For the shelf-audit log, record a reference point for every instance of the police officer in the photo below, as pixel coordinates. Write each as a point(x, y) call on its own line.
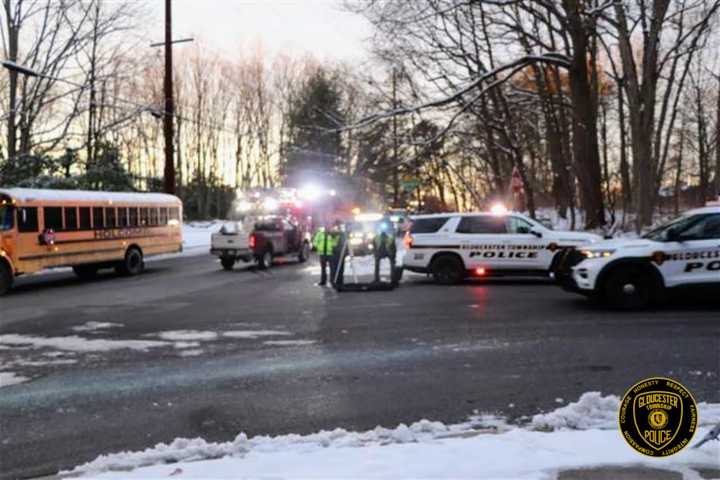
point(384, 247)
point(324, 242)
point(337, 261)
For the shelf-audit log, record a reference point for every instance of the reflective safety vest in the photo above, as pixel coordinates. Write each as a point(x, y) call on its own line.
point(324, 243)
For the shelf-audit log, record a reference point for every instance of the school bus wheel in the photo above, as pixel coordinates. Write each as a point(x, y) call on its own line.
point(133, 264)
point(6, 277)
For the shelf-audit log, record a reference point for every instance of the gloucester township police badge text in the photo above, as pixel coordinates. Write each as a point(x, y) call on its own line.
point(658, 417)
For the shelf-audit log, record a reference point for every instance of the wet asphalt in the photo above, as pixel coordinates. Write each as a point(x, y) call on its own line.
point(353, 360)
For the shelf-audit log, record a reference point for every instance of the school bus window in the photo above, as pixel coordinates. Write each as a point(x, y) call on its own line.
point(133, 217)
point(71, 218)
point(163, 216)
point(98, 217)
point(154, 217)
point(6, 217)
point(122, 217)
point(53, 218)
point(27, 219)
point(84, 218)
point(144, 214)
point(110, 217)
point(175, 213)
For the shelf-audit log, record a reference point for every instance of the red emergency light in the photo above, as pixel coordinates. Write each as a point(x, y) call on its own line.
point(480, 272)
point(251, 241)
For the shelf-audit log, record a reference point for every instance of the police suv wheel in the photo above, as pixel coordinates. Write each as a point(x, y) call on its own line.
point(227, 263)
point(629, 289)
point(133, 264)
point(447, 270)
point(6, 278)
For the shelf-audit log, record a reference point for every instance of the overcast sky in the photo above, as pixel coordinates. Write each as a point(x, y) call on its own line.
point(320, 27)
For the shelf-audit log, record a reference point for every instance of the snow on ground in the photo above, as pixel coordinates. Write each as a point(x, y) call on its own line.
point(289, 343)
point(484, 447)
point(196, 236)
point(94, 326)
point(186, 335)
point(253, 334)
point(10, 378)
point(75, 343)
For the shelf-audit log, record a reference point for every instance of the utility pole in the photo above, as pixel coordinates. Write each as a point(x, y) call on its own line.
point(396, 166)
point(169, 113)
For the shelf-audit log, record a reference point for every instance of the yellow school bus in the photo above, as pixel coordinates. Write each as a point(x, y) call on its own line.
point(87, 231)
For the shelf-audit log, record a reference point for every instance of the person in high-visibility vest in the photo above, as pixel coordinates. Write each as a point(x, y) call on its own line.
point(324, 242)
point(384, 247)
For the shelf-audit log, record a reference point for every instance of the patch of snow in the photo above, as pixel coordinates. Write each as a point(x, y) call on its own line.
point(10, 378)
point(252, 334)
point(43, 363)
point(190, 353)
point(183, 345)
point(289, 343)
point(592, 410)
point(93, 326)
point(187, 335)
point(484, 447)
point(75, 343)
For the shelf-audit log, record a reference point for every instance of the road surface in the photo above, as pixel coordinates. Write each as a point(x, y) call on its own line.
point(189, 350)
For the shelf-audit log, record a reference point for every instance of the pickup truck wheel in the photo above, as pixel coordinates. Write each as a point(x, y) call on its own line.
point(133, 264)
point(304, 252)
point(85, 272)
point(447, 270)
point(628, 289)
point(265, 260)
point(227, 263)
point(6, 278)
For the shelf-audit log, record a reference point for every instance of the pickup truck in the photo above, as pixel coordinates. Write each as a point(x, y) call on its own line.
point(270, 237)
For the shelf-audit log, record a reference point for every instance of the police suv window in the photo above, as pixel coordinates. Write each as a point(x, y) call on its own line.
point(482, 224)
point(706, 229)
point(427, 225)
point(518, 225)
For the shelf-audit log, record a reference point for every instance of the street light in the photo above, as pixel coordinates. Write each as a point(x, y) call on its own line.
point(14, 67)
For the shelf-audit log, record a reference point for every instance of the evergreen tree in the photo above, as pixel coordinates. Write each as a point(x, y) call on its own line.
point(313, 144)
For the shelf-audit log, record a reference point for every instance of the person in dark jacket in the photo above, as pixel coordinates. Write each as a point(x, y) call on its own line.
point(384, 247)
point(337, 262)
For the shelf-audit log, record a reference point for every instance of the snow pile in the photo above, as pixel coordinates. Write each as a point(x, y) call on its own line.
point(10, 378)
point(592, 410)
point(484, 447)
point(189, 450)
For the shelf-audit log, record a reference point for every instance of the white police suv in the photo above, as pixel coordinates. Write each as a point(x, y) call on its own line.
point(455, 246)
point(634, 273)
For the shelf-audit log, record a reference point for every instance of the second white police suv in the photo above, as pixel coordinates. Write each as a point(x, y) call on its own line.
point(633, 273)
point(455, 246)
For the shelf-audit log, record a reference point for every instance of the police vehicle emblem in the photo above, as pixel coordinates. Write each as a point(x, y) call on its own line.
point(658, 417)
